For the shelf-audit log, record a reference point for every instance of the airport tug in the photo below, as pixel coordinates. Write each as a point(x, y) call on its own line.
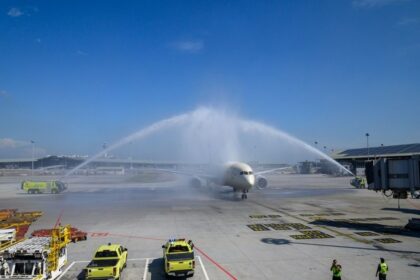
point(178, 256)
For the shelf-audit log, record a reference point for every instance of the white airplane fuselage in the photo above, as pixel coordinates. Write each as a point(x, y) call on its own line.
point(239, 176)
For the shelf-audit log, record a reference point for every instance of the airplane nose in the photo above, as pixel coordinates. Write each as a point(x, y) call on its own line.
point(250, 180)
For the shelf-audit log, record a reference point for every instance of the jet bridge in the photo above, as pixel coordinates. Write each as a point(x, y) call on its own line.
point(396, 177)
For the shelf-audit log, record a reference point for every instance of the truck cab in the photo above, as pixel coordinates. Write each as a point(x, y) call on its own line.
point(178, 256)
point(108, 262)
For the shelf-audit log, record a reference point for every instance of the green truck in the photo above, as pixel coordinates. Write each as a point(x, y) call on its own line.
point(34, 187)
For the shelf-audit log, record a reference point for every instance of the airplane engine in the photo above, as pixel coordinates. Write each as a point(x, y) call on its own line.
point(261, 182)
point(196, 182)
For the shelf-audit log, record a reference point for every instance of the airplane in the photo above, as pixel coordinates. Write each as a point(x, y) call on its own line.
point(237, 175)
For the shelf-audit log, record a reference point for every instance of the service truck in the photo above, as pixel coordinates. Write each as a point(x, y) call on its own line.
point(178, 255)
point(34, 258)
point(7, 237)
point(37, 258)
point(35, 187)
point(108, 262)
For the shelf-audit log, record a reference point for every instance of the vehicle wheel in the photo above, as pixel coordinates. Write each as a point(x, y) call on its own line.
point(30, 191)
point(53, 191)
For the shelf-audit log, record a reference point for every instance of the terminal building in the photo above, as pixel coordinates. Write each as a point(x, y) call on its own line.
point(356, 158)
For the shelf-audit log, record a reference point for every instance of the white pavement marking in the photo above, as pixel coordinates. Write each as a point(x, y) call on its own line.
point(74, 262)
point(146, 266)
point(65, 271)
point(203, 268)
point(138, 259)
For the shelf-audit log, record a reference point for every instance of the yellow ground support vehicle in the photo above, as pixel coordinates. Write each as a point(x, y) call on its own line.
point(358, 182)
point(43, 186)
point(108, 262)
point(178, 256)
point(36, 258)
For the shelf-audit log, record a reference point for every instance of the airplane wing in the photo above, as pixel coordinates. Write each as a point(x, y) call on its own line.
point(271, 170)
point(184, 173)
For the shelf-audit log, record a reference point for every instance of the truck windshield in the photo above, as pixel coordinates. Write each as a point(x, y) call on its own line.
point(178, 249)
point(106, 254)
point(180, 256)
point(103, 263)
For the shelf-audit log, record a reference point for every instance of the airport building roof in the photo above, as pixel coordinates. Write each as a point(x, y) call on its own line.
point(382, 151)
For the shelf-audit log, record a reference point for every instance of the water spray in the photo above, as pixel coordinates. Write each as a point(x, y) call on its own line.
point(214, 125)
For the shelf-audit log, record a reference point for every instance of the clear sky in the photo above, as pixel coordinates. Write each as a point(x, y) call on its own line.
point(76, 74)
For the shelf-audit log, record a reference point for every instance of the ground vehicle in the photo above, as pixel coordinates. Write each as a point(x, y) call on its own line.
point(43, 186)
point(37, 258)
point(178, 256)
point(7, 237)
point(75, 234)
point(358, 182)
point(108, 262)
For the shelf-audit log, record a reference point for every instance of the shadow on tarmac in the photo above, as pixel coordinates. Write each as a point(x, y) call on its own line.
point(275, 241)
point(81, 275)
point(404, 210)
point(157, 271)
point(378, 228)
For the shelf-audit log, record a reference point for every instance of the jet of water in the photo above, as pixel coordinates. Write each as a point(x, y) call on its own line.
point(135, 136)
point(206, 126)
point(249, 126)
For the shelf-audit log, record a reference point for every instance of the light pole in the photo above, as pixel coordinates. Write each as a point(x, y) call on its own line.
point(33, 156)
point(367, 144)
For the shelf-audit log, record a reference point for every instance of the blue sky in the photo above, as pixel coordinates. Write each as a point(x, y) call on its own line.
point(75, 74)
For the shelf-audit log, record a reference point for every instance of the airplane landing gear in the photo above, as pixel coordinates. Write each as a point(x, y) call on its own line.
point(244, 196)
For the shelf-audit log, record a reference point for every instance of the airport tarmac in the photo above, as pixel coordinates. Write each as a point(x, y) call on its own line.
point(291, 230)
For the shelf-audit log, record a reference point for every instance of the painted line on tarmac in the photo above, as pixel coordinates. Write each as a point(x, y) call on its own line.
point(65, 271)
point(203, 268)
point(95, 234)
point(136, 236)
point(216, 264)
point(321, 226)
point(57, 222)
point(74, 262)
point(105, 234)
point(146, 268)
